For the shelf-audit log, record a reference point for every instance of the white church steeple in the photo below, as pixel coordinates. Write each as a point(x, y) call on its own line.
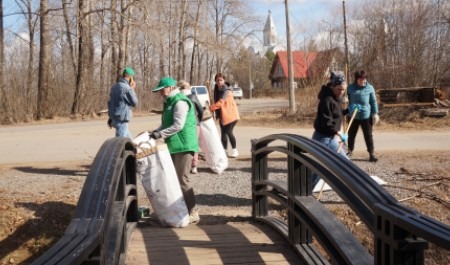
point(270, 34)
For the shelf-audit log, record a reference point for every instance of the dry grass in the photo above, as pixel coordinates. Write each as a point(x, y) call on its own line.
point(393, 121)
point(419, 181)
point(400, 118)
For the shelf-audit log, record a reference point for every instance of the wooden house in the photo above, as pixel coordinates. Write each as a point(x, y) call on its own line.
point(308, 67)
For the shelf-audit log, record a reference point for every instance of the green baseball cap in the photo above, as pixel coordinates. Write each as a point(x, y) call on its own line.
point(128, 71)
point(165, 82)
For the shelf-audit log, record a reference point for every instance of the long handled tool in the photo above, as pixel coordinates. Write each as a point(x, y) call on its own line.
point(348, 127)
point(340, 147)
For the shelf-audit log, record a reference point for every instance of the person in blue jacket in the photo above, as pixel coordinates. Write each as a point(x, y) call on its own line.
point(121, 98)
point(361, 97)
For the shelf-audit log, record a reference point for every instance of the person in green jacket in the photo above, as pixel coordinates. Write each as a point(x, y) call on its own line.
point(179, 131)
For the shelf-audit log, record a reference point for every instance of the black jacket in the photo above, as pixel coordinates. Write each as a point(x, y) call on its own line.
point(329, 112)
point(198, 107)
point(221, 93)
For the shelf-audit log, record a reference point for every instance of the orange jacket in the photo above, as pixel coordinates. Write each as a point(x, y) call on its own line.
point(228, 109)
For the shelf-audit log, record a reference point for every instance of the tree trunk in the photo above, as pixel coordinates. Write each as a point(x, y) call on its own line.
point(2, 35)
point(89, 85)
point(103, 51)
point(114, 42)
point(194, 46)
point(80, 80)
point(129, 13)
point(181, 37)
point(4, 108)
point(44, 62)
point(69, 36)
point(2, 79)
point(29, 84)
point(122, 36)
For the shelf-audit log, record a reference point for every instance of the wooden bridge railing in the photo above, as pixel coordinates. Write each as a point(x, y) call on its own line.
point(107, 209)
point(106, 212)
point(401, 235)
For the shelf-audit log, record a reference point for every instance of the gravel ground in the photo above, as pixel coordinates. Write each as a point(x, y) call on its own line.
point(37, 200)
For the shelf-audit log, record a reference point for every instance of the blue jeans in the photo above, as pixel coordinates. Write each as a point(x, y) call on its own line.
point(121, 128)
point(330, 142)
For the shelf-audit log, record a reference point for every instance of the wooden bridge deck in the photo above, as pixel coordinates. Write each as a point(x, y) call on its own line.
point(231, 243)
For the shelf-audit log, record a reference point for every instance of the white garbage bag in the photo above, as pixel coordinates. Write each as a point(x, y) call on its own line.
point(210, 143)
point(155, 168)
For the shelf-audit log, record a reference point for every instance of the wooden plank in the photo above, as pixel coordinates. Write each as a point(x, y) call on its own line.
point(412, 104)
point(231, 243)
point(402, 89)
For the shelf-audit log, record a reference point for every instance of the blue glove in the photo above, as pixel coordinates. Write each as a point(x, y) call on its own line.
point(344, 137)
point(354, 107)
point(155, 135)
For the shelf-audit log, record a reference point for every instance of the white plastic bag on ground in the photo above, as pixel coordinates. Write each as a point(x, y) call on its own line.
point(155, 168)
point(321, 185)
point(210, 143)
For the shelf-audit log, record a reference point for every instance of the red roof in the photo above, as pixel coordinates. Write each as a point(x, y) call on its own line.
point(302, 61)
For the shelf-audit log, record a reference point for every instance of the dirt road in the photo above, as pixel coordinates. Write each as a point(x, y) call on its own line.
point(43, 169)
point(81, 140)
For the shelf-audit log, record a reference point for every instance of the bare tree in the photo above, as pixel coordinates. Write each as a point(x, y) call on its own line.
point(194, 45)
point(2, 79)
point(230, 21)
point(26, 9)
point(103, 46)
point(397, 43)
point(400, 43)
point(81, 67)
point(44, 62)
point(114, 41)
point(181, 39)
point(69, 34)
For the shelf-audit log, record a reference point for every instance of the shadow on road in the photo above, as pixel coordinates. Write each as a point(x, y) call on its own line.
point(83, 171)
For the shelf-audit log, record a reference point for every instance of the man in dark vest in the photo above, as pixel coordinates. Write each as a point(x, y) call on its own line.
point(178, 129)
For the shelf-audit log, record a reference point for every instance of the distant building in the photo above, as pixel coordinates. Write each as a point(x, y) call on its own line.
point(270, 37)
point(308, 66)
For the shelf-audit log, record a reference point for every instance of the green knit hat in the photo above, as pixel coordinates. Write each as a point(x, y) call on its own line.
point(128, 71)
point(165, 82)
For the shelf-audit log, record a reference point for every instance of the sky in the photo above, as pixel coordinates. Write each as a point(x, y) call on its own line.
point(308, 18)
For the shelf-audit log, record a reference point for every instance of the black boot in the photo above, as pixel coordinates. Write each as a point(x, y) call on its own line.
point(373, 158)
point(349, 154)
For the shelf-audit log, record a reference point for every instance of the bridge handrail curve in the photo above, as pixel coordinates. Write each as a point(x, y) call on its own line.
point(106, 212)
point(371, 202)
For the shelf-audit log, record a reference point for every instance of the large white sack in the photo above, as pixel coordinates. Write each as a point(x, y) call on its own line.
point(155, 168)
point(210, 143)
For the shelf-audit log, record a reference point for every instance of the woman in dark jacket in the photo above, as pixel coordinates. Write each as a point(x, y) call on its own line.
point(328, 122)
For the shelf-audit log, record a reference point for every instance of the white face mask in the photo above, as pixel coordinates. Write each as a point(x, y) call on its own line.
point(185, 92)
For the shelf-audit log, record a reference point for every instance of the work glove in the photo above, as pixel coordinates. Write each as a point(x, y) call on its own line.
point(344, 137)
point(375, 119)
point(155, 135)
point(354, 107)
point(109, 123)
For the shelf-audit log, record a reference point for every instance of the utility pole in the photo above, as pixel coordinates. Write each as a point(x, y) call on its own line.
point(346, 45)
point(292, 106)
point(250, 83)
point(345, 102)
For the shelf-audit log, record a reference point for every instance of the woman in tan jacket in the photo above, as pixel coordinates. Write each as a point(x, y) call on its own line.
point(227, 112)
